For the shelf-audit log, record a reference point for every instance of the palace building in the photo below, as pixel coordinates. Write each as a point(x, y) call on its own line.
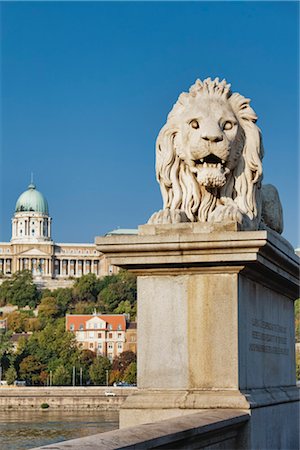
point(31, 247)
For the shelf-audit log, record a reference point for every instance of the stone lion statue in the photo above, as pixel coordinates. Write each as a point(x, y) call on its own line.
point(209, 161)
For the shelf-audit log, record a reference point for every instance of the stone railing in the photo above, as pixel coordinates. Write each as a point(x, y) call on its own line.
point(214, 428)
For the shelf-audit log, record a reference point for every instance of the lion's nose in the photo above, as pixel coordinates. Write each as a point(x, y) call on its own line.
point(212, 137)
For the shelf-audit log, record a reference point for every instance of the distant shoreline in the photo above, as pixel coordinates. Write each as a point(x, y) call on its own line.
point(64, 398)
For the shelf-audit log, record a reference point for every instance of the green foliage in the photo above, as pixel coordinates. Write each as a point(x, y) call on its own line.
point(48, 309)
point(11, 375)
point(44, 405)
point(130, 373)
point(62, 376)
point(298, 365)
point(5, 345)
point(119, 294)
point(50, 347)
point(20, 290)
point(98, 370)
point(54, 346)
point(86, 288)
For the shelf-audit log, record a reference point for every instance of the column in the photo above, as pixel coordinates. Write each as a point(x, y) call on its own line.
point(49, 227)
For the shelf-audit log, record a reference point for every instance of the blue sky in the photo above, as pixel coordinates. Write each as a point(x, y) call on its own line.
point(86, 87)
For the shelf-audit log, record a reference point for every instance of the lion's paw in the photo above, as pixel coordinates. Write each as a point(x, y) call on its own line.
point(168, 216)
point(226, 213)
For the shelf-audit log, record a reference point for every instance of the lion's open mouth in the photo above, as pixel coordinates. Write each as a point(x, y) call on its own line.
point(210, 161)
point(210, 171)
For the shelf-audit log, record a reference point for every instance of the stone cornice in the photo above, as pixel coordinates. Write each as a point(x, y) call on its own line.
point(188, 248)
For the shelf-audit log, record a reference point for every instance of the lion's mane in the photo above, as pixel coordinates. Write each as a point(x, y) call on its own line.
point(179, 186)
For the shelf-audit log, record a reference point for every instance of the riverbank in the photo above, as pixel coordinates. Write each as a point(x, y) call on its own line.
point(64, 398)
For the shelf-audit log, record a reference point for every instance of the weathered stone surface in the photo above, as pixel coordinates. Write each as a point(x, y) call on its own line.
point(208, 160)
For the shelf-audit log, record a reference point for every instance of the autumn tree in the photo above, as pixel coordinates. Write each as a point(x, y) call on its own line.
point(130, 373)
point(30, 369)
point(122, 361)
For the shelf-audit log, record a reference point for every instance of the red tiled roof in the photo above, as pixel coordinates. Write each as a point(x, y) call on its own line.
point(80, 319)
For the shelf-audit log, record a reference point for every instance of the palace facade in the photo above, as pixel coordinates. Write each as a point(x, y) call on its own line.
point(31, 246)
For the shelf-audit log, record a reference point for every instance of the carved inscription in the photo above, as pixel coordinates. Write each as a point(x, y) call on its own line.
point(268, 337)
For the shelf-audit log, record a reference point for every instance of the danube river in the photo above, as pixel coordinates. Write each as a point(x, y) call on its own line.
point(29, 429)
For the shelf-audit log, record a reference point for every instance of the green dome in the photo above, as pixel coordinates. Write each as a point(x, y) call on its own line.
point(32, 200)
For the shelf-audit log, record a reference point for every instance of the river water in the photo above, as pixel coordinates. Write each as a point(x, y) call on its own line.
point(29, 429)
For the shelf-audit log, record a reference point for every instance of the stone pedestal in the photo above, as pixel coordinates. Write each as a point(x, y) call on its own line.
point(215, 325)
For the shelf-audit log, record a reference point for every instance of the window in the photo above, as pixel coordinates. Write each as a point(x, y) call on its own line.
point(81, 327)
point(32, 232)
point(95, 326)
point(91, 345)
point(109, 335)
point(109, 327)
point(99, 335)
point(120, 346)
point(119, 335)
point(91, 334)
point(72, 327)
point(110, 346)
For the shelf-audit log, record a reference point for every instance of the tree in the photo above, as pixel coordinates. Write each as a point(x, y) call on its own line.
point(11, 375)
point(120, 290)
point(62, 376)
point(98, 370)
point(30, 369)
point(5, 345)
point(16, 322)
point(64, 299)
point(86, 288)
point(48, 308)
point(122, 361)
point(20, 290)
point(130, 373)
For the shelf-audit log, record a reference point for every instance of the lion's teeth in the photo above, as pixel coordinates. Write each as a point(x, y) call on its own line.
point(205, 164)
point(219, 166)
point(201, 160)
point(223, 161)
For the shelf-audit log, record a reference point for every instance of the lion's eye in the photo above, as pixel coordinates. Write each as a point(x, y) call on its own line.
point(228, 125)
point(194, 123)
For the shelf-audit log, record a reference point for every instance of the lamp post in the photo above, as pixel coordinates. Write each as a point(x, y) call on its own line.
point(80, 375)
point(106, 377)
point(74, 375)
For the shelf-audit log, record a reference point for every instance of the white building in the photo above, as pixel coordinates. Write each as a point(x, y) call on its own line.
point(31, 246)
